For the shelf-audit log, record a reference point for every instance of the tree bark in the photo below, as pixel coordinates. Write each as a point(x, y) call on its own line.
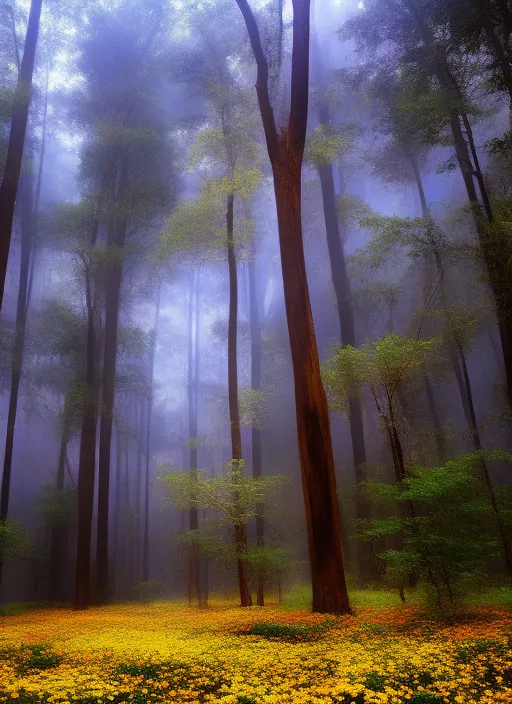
point(87, 458)
point(19, 339)
point(286, 150)
point(87, 462)
point(114, 277)
point(473, 427)
point(234, 409)
point(60, 533)
point(12, 169)
point(152, 351)
point(194, 561)
point(19, 343)
point(255, 327)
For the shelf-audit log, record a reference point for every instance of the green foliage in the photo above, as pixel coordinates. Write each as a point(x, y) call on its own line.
point(146, 670)
point(291, 632)
point(267, 562)
point(198, 227)
point(325, 145)
point(236, 496)
point(382, 365)
point(39, 656)
point(14, 541)
point(450, 537)
point(254, 406)
point(352, 209)
point(421, 238)
point(57, 507)
point(240, 182)
point(220, 147)
point(146, 590)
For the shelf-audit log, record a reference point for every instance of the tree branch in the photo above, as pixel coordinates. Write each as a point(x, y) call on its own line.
point(267, 113)
point(300, 74)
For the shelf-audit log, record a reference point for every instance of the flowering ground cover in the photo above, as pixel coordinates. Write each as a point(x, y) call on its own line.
point(167, 652)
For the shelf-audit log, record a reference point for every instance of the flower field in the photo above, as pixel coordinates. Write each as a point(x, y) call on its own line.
point(166, 652)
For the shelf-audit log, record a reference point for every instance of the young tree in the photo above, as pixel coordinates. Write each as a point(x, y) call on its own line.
point(382, 366)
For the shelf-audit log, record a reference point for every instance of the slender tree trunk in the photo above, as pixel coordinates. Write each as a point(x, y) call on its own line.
point(473, 427)
point(87, 458)
point(152, 352)
point(59, 537)
point(234, 409)
point(194, 562)
point(19, 339)
point(341, 285)
point(286, 149)
point(115, 556)
point(344, 305)
point(255, 326)
point(38, 190)
point(12, 169)
point(87, 462)
point(116, 240)
point(19, 343)
point(138, 492)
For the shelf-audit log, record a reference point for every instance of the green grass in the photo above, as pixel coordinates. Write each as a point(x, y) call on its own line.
point(300, 598)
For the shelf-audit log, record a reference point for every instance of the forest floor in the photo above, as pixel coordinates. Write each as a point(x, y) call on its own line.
point(170, 652)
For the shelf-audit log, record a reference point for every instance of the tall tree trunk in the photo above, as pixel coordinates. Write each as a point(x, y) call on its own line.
point(19, 342)
point(138, 493)
point(116, 552)
point(438, 429)
point(87, 458)
point(59, 537)
point(194, 562)
point(87, 462)
point(255, 327)
point(473, 427)
point(152, 352)
point(341, 285)
point(286, 150)
point(342, 292)
point(116, 241)
point(12, 169)
point(234, 409)
point(38, 188)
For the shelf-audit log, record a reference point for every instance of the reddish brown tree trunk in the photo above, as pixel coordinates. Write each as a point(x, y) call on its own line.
point(286, 150)
point(313, 423)
point(12, 169)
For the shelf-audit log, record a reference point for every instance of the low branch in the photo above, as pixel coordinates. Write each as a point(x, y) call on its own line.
point(267, 113)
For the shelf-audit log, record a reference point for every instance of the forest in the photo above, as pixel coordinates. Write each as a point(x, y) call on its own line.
point(256, 351)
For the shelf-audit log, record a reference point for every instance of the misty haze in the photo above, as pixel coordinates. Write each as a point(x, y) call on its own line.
point(256, 352)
